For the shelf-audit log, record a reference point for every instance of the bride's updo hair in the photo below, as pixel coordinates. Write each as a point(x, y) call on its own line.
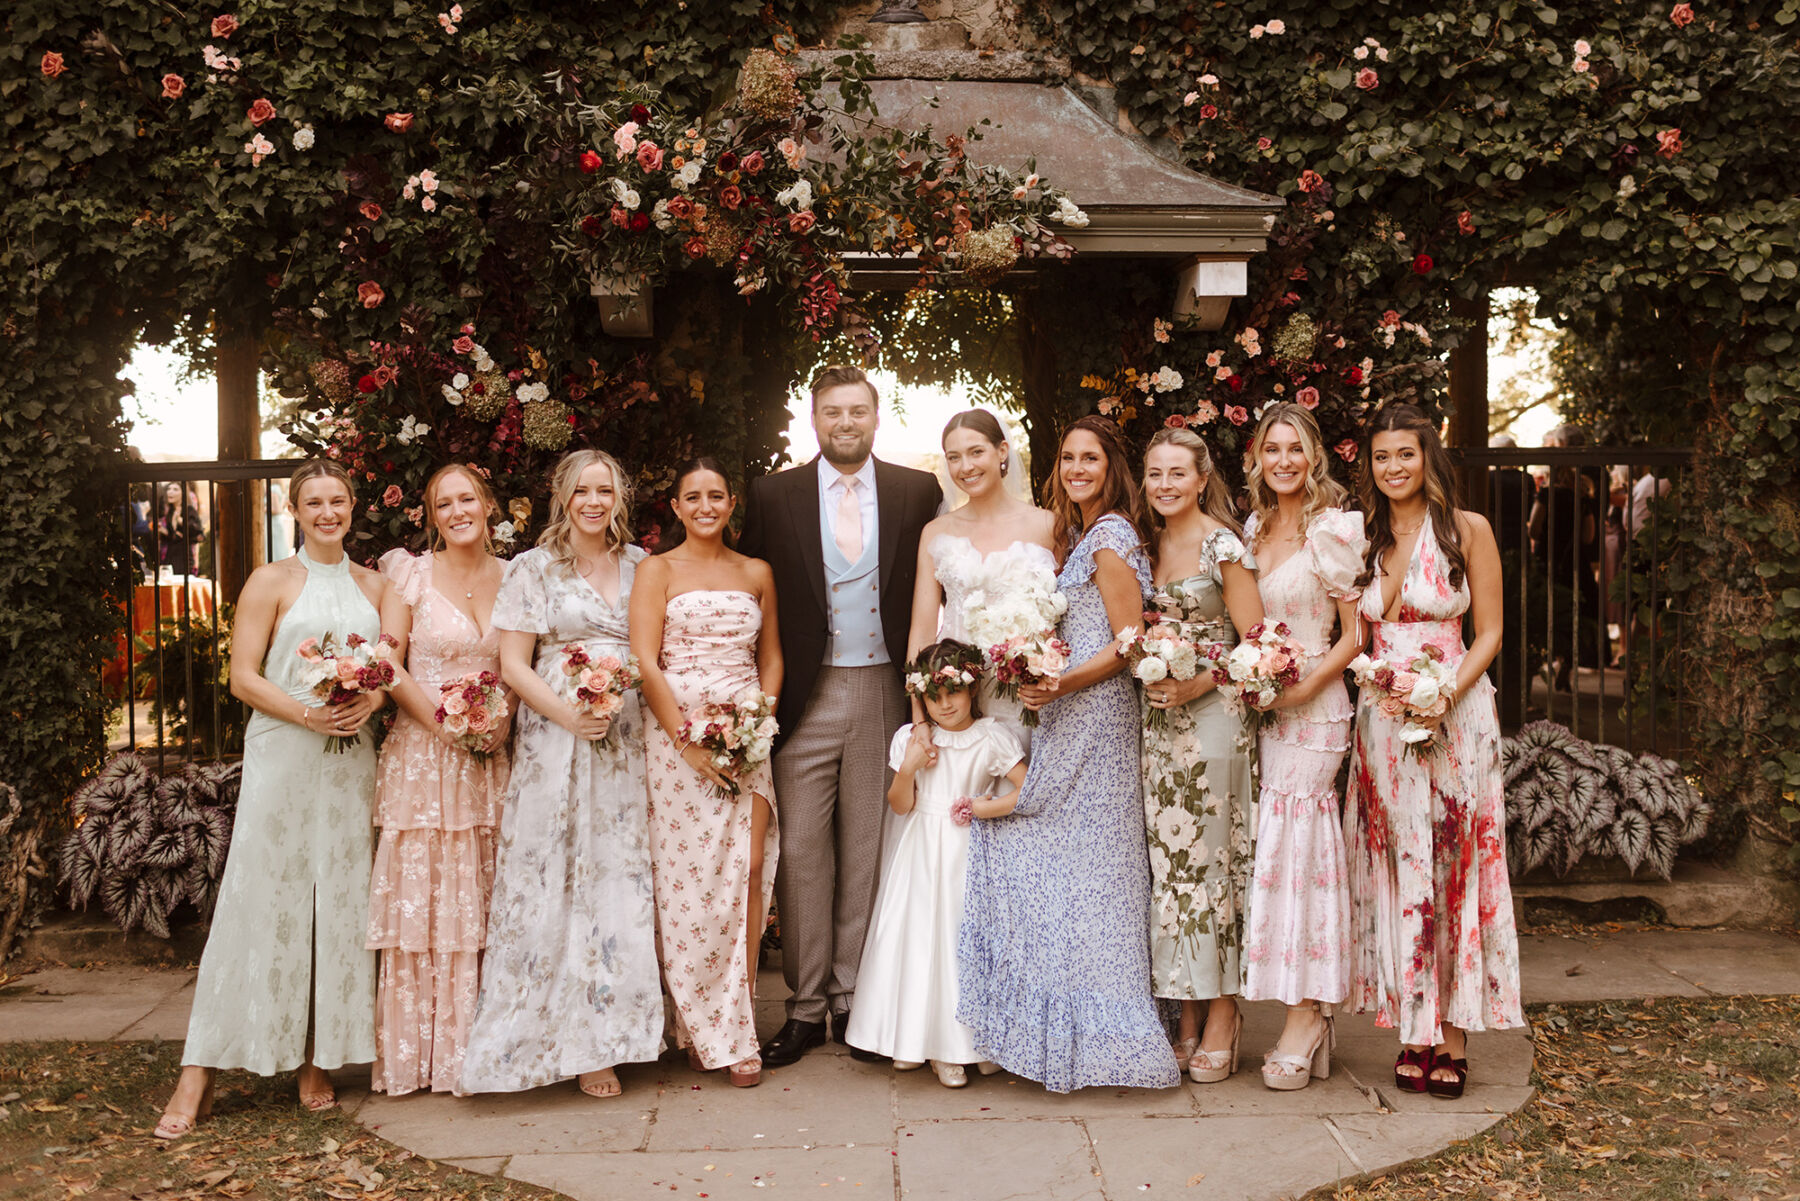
point(981, 422)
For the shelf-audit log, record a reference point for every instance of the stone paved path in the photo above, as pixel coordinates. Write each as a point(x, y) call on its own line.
point(832, 1123)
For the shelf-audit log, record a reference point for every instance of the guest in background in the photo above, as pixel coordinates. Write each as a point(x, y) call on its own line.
point(437, 798)
point(178, 530)
point(1510, 493)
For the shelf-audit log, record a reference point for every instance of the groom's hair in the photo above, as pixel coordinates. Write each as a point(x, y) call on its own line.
point(835, 377)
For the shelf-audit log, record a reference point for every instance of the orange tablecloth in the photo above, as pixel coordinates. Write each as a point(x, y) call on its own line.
point(191, 597)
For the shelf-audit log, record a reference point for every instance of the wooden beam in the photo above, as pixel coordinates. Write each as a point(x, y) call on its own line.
point(1469, 395)
point(237, 539)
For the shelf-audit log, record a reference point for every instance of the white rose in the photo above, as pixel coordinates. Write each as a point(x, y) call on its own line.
point(689, 175)
point(303, 138)
point(1425, 693)
point(459, 381)
point(505, 532)
point(452, 395)
point(1151, 669)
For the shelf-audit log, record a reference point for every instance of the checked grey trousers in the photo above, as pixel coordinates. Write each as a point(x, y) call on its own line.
point(831, 776)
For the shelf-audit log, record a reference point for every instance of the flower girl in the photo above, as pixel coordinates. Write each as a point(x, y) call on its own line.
point(945, 773)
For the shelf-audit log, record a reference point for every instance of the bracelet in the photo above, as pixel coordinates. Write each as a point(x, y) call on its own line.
point(306, 717)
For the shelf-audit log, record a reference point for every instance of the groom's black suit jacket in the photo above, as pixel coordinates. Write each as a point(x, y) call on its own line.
point(781, 525)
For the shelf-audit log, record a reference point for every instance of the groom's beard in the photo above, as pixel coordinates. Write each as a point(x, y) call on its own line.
point(845, 460)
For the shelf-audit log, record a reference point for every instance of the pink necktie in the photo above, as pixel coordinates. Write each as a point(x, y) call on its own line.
point(849, 520)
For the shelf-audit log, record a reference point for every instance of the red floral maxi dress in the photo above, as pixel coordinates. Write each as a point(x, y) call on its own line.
point(1431, 918)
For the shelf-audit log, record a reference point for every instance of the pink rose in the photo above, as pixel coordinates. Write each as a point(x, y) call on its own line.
point(309, 650)
point(455, 702)
point(1393, 706)
point(393, 496)
point(1367, 79)
point(1308, 397)
point(1465, 222)
point(52, 65)
point(346, 671)
point(463, 345)
point(1668, 143)
point(1264, 143)
point(398, 122)
point(681, 208)
point(173, 86)
point(1346, 450)
point(1310, 180)
point(962, 810)
point(1404, 682)
point(730, 196)
point(649, 156)
point(480, 721)
point(370, 209)
point(260, 110)
point(753, 162)
point(1682, 15)
point(370, 293)
point(801, 222)
point(224, 25)
point(695, 247)
point(456, 724)
point(625, 138)
point(609, 663)
point(1237, 414)
point(1208, 111)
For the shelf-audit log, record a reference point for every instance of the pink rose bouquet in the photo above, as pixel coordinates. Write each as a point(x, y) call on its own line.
point(472, 707)
point(1160, 652)
point(737, 734)
point(1260, 668)
point(1419, 689)
point(596, 685)
point(340, 670)
point(1028, 659)
point(962, 810)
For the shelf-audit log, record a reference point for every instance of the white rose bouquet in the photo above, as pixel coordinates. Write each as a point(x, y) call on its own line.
point(1422, 688)
point(1160, 652)
point(1018, 632)
point(738, 734)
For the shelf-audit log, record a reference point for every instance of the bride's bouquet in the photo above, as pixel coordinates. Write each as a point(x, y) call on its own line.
point(1260, 668)
point(338, 671)
point(1160, 652)
point(469, 709)
point(1422, 688)
point(1017, 630)
point(737, 734)
point(596, 686)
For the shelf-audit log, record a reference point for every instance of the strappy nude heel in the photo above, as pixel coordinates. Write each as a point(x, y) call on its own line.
point(179, 1125)
point(1289, 1073)
point(1211, 1067)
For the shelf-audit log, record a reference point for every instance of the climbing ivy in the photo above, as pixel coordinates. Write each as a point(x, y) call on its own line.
point(1635, 163)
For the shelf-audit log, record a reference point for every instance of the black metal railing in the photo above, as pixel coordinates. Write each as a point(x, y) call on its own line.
point(188, 536)
point(1587, 536)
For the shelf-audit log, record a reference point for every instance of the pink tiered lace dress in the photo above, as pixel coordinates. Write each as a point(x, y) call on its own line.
point(437, 808)
point(1297, 945)
point(1431, 918)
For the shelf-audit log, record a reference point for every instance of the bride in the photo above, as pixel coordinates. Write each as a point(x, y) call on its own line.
point(995, 543)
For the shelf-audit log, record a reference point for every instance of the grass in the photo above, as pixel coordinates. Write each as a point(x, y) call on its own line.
point(1660, 1100)
point(75, 1121)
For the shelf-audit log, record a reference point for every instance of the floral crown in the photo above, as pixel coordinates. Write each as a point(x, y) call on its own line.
point(956, 669)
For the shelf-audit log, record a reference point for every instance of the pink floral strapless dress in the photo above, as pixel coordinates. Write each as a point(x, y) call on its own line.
point(1431, 917)
point(437, 808)
point(700, 837)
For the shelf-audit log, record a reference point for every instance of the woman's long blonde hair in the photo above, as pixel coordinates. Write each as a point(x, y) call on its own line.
point(1322, 492)
point(1215, 497)
point(562, 489)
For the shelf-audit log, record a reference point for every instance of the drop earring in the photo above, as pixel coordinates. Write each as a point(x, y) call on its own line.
point(1004, 464)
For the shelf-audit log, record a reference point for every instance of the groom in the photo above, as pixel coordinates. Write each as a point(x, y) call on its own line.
point(841, 534)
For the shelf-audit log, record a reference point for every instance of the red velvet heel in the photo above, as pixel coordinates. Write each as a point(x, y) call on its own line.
point(1420, 1059)
point(1453, 1087)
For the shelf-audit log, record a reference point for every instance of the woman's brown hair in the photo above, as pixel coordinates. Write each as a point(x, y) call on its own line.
point(1119, 491)
point(315, 469)
point(1440, 491)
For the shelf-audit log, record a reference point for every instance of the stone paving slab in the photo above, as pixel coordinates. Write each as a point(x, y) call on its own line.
point(1247, 1158)
point(831, 1172)
point(1377, 1142)
point(93, 1004)
point(1658, 963)
point(1050, 1159)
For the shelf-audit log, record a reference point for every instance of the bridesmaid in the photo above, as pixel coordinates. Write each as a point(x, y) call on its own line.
point(1199, 771)
point(1431, 919)
point(993, 542)
point(436, 803)
point(285, 981)
point(568, 985)
point(1309, 553)
point(1052, 956)
point(703, 628)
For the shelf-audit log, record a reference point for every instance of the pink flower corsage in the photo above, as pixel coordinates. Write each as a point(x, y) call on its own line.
point(963, 811)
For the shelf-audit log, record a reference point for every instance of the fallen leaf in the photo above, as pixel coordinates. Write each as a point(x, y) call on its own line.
point(1196, 1178)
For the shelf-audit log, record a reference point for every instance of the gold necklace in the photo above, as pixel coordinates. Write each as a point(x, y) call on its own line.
point(1411, 532)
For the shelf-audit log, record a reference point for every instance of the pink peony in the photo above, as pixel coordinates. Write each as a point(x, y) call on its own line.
point(173, 86)
point(393, 496)
point(1682, 15)
point(370, 293)
point(1308, 397)
point(1367, 80)
point(1668, 143)
point(649, 156)
point(224, 25)
point(260, 110)
point(398, 122)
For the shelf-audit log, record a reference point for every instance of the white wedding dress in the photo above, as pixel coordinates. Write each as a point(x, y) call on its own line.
point(969, 578)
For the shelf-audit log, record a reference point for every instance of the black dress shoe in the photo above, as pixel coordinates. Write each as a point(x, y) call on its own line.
point(840, 1030)
point(792, 1041)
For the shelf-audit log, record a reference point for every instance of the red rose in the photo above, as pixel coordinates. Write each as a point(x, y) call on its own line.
point(173, 86)
point(1235, 382)
point(730, 197)
point(463, 345)
point(754, 162)
point(1208, 111)
point(398, 122)
point(1465, 222)
point(1353, 376)
point(1310, 180)
point(728, 161)
point(1308, 397)
point(1682, 15)
point(1175, 421)
point(224, 25)
point(370, 293)
point(590, 162)
point(370, 209)
point(1346, 450)
point(367, 384)
point(640, 113)
point(695, 247)
point(801, 222)
point(478, 388)
point(640, 222)
point(273, 279)
point(260, 111)
point(592, 225)
point(1422, 265)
